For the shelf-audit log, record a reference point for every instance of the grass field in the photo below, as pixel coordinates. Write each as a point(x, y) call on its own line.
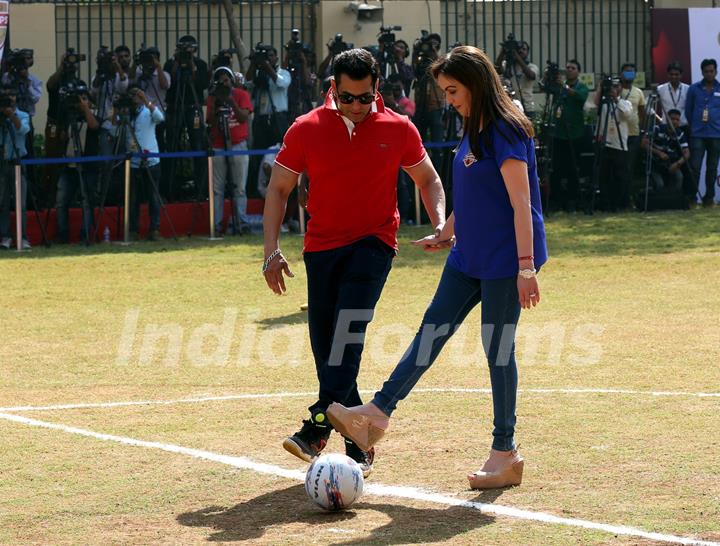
point(618, 417)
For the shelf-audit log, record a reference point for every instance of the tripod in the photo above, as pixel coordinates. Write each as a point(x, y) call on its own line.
point(180, 124)
point(9, 134)
point(86, 204)
point(223, 115)
point(607, 103)
point(10, 130)
point(651, 123)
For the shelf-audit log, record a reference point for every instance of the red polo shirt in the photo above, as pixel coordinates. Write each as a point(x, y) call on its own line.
point(353, 174)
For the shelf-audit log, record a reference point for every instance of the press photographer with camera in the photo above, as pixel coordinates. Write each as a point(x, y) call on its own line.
point(228, 110)
point(14, 126)
point(671, 153)
point(140, 116)
point(568, 122)
point(75, 126)
point(66, 74)
point(111, 78)
point(429, 98)
point(298, 60)
point(17, 75)
point(335, 46)
point(514, 65)
point(611, 137)
point(268, 84)
point(185, 97)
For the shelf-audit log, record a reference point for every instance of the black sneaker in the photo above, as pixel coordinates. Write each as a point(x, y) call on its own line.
point(311, 439)
point(363, 458)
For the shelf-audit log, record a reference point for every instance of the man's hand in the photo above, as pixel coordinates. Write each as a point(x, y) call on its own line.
point(675, 166)
point(663, 156)
point(273, 271)
point(8, 112)
point(84, 103)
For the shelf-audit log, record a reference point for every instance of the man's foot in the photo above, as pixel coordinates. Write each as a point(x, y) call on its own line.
point(5, 243)
point(364, 425)
point(26, 245)
point(363, 458)
point(310, 440)
point(245, 228)
point(153, 235)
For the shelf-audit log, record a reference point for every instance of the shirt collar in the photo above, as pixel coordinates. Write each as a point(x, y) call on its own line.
point(378, 105)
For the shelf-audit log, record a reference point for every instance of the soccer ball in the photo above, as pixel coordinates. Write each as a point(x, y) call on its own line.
point(334, 482)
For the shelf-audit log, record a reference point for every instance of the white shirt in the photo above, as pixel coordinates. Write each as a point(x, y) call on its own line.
point(623, 113)
point(278, 91)
point(525, 85)
point(673, 99)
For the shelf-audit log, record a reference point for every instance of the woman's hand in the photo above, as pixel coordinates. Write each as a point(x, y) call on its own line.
point(434, 242)
point(528, 292)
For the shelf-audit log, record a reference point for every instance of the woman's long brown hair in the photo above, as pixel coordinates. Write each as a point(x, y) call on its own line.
point(489, 102)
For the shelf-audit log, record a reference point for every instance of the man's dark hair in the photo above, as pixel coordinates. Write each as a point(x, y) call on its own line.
point(576, 63)
point(708, 62)
point(357, 64)
point(674, 112)
point(675, 65)
point(122, 48)
point(188, 39)
point(627, 65)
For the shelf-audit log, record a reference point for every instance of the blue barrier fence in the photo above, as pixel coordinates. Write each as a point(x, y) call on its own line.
point(177, 155)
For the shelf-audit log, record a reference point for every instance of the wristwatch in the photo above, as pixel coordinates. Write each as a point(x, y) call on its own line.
point(527, 273)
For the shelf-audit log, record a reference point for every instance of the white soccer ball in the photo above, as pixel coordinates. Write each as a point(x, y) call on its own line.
point(334, 482)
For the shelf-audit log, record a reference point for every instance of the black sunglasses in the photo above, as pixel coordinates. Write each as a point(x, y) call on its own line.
point(347, 98)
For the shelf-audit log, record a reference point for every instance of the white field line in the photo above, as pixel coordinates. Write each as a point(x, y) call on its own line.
point(372, 489)
point(260, 396)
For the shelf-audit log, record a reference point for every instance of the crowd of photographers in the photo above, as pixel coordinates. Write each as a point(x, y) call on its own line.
point(134, 102)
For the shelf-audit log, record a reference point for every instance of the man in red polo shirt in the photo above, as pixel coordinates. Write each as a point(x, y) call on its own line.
point(351, 149)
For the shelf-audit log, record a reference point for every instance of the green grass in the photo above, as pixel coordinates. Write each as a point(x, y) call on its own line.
point(629, 302)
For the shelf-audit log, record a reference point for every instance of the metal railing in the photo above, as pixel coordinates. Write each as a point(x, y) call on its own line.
point(601, 34)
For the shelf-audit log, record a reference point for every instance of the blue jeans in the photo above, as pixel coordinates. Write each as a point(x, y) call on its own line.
point(456, 295)
point(7, 190)
point(698, 147)
point(68, 187)
point(238, 175)
point(344, 284)
point(144, 189)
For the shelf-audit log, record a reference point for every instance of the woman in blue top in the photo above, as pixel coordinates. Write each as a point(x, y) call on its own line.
point(497, 237)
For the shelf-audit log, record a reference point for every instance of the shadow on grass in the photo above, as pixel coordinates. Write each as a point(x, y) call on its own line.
point(299, 317)
point(408, 525)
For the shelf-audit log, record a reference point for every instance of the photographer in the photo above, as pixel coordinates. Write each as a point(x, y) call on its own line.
point(513, 64)
point(429, 98)
point(612, 135)
point(228, 110)
point(154, 82)
point(111, 78)
point(298, 57)
point(14, 126)
point(637, 119)
point(66, 74)
point(17, 76)
point(335, 47)
point(670, 151)
point(185, 97)
point(141, 116)
point(569, 124)
point(76, 121)
point(268, 84)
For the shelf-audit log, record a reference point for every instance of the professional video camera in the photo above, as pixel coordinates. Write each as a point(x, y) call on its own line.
point(295, 46)
point(18, 59)
point(607, 81)
point(549, 83)
point(260, 53)
point(72, 58)
point(423, 46)
point(510, 46)
point(337, 45)
point(386, 36)
point(104, 61)
point(185, 51)
point(70, 94)
point(220, 91)
point(145, 57)
point(6, 96)
point(125, 101)
point(223, 58)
